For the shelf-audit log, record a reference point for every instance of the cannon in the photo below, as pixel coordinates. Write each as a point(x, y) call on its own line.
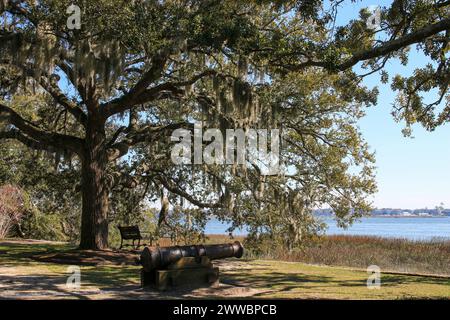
point(164, 267)
point(160, 258)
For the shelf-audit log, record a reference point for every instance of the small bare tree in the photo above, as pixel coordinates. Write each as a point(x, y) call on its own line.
point(12, 208)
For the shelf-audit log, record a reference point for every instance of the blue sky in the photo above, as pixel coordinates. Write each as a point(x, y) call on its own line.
point(411, 172)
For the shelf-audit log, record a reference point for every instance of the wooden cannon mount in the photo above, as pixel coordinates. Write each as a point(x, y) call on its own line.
point(167, 267)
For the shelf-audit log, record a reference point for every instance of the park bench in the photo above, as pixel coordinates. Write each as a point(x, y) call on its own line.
point(133, 233)
point(130, 233)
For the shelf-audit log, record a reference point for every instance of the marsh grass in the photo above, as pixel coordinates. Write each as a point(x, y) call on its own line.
point(398, 255)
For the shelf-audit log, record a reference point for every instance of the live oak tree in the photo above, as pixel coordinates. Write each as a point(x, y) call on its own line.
point(109, 94)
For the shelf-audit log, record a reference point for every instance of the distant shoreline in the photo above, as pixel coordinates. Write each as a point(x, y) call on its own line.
point(390, 216)
point(400, 216)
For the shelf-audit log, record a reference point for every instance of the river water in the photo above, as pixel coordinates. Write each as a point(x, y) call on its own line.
point(412, 228)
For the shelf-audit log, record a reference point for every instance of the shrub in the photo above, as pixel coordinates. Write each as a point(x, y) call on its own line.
point(42, 226)
point(12, 208)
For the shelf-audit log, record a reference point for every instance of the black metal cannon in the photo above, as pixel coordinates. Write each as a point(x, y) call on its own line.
point(173, 266)
point(159, 258)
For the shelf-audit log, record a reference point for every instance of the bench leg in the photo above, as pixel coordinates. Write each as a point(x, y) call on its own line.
point(121, 244)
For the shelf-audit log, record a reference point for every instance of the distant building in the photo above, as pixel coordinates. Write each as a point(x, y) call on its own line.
point(423, 214)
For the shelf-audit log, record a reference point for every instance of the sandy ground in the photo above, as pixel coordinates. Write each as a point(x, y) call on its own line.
point(23, 282)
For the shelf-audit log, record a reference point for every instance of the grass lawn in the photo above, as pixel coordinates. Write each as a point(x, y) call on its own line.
point(21, 277)
point(280, 279)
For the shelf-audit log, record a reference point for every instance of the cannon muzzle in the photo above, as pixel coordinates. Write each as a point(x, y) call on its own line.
point(157, 258)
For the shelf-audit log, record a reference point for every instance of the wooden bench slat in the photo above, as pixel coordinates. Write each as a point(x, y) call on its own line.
point(130, 233)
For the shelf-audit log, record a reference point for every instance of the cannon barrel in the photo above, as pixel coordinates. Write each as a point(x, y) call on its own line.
point(153, 258)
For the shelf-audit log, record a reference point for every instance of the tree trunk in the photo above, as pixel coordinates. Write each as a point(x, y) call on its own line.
point(94, 217)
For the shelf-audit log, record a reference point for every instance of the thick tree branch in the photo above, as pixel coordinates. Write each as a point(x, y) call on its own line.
point(394, 45)
point(164, 90)
point(174, 188)
point(53, 89)
point(14, 134)
point(378, 51)
point(128, 100)
point(147, 134)
point(55, 140)
point(62, 99)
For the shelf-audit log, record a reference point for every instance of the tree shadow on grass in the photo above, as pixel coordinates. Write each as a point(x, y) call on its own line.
point(274, 279)
point(112, 276)
point(18, 253)
point(32, 286)
point(96, 283)
point(392, 279)
point(63, 254)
